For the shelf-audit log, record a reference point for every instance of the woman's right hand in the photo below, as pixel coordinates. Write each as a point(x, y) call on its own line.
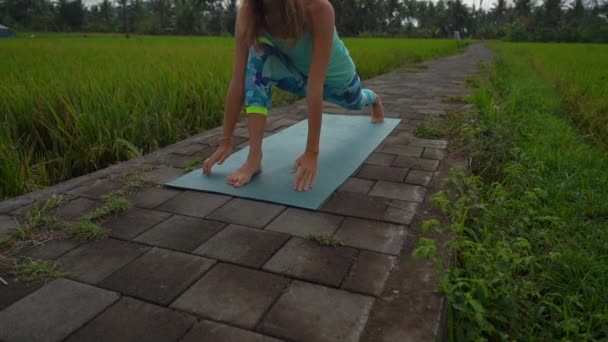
point(219, 156)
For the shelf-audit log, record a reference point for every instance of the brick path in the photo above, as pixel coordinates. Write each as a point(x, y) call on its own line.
point(193, 266)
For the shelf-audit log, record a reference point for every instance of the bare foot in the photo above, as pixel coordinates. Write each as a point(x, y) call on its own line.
point(378, 111)
point(243, 175)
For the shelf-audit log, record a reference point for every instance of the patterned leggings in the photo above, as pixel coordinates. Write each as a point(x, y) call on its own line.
point(266, 66)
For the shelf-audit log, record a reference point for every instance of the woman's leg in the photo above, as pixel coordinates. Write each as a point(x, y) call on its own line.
point(353, 97)
point(266, 67)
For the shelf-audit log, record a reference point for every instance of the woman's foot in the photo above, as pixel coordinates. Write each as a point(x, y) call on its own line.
point(377, 111)
point(243, 175)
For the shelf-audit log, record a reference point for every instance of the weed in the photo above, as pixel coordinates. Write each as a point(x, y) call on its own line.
point(429, 130)
point(114, 203)
point(457, 99)
point(87, 231)
point(193, 165)
point(134, 180)
point(325, 240)
point(30, 269)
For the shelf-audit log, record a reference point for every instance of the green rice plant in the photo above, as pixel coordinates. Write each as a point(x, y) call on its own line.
point(579, 73)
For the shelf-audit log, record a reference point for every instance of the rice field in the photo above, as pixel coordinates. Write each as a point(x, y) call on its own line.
point(71, 105)
point(579, 72)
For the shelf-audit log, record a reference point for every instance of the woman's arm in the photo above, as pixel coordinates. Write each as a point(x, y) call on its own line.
point(234, 103)
point(322, 29)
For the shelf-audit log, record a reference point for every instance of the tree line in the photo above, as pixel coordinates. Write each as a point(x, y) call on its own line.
point(520, 20)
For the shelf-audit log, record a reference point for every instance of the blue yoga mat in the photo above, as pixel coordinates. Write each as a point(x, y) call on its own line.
point(346, 141)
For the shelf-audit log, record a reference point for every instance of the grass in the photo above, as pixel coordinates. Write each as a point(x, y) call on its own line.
point(87, 231)
point(40, 226)
point(325, 240)
point(114, 203)
point(193, 164)
point(37, 270)
point(429, 130)
point(92, 102)
point(528, 218)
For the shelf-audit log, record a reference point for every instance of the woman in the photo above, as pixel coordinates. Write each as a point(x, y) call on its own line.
point(291, 44)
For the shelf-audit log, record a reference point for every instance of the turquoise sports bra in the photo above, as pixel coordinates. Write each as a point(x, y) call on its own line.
point(341, 68)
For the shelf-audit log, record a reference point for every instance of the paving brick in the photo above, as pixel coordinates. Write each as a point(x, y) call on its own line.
point(21, 212)
point(307, 312)
point(375, 172)
point(175, 160)
point(402, 138)
point(357, 185)
point(417, 163)
point(97, 188)
point(76, 208)
point(433, 153)
point(381, 159)
point(50, 250)
point(53, 312)
point(158, 276)
point(7, 223)
point(214, 139)
point(369, 273)
point(401, 150)
point(247, 213)
point(14, 204)
point(242, 245)
point(419, 177)
point(151, 198)
point(193, 148)
point(372, 235)
point(162, 174)
point(353, 204)
point(398, 191)
point(133, 320)
point(232, 294)
point(93, 262)
point(180, 233)
point(15, 289)
point(373, 208)
point(194, 203)
point(433, 143)
point(400, 212)
point(308, 260)
point(208, 137)
point(303, 223)
point(134, 222)
point(216, 332)
point(243, 145)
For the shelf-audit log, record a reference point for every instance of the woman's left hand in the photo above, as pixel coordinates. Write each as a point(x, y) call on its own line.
point(307, 164)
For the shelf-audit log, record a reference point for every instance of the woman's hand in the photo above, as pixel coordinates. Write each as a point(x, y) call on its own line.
point(219, 156)
point(307, 164)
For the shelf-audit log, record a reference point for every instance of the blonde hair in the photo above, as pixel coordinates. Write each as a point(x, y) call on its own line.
point(255, 15)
